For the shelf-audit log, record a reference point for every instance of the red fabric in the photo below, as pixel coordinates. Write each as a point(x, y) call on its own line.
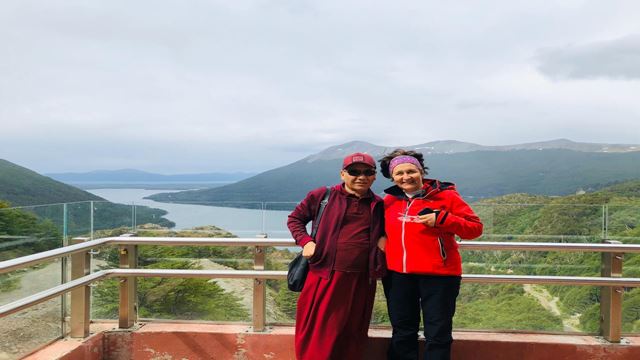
point(323, 260)
point(413, 247)
point(353, 239)
point(333, 315)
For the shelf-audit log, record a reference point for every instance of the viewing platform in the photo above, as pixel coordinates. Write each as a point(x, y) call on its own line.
point(168, 341)
point(133, 337)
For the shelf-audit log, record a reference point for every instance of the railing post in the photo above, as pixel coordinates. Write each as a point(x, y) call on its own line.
point(611, 297)
point(128, 310)
point(259, 290)
point(81, 297)
point(64, 262)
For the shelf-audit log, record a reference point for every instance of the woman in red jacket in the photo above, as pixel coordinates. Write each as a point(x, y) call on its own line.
point(422, 218)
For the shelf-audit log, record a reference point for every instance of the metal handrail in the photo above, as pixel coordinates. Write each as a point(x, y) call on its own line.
point(34, 259)
point(29, 260)
point(610, 280)
point(58, 290)
point(540, 246)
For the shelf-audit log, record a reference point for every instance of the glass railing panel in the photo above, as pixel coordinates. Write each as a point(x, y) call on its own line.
point(111, 219)
point(25, 331)
point(541, 222)
point(26, 231)
point(21, 283)
point(507, 307)
point(631, 296)
point(498, 219)
point(623, 223)
point(380, 315)
point(196, 299)
point(281, 303)
point(631, 311)
point(79, 219)
point(486, 215)
point(275, 219)
point(29, 230)
point(51, 216)
point(555, 307)
point(184, 299)
point(241, 218)
point(176, 298)
point(571, 220)
point(180, 299)
point(105, 300)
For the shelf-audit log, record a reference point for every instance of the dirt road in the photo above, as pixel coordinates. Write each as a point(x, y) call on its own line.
point(549, 302)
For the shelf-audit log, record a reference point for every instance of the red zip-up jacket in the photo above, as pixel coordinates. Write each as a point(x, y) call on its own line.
point(324, 257)
point(415, 248)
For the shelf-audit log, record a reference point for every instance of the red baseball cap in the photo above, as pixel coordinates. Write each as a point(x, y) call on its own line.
point(358, 158)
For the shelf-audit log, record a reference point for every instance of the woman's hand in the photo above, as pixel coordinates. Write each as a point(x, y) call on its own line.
point(382, 243)
point(428, 219)
point(309, 249)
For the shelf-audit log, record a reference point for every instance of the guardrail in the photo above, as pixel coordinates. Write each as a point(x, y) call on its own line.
point(611, 279)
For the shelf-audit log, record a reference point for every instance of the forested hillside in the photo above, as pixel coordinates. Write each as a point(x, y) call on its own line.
point(21, 186)
point(612, 213)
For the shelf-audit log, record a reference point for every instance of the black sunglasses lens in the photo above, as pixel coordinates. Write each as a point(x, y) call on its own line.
point(367, 172)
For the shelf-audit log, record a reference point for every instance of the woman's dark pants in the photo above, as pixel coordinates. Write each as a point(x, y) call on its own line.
point(436, 296)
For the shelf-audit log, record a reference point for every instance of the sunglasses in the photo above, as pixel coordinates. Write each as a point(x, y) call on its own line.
point(365, 172)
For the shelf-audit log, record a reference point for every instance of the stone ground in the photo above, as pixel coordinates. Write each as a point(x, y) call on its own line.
point(27, 330)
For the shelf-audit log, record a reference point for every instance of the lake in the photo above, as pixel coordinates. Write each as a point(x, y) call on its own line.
point(241, 222)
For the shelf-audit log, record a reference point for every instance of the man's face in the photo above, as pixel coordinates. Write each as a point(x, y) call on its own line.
point(358, 178)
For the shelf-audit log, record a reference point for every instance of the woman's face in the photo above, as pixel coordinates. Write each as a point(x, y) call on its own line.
point(408, 177)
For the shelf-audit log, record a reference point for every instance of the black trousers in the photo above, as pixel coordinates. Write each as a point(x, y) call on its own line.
point(407, 294)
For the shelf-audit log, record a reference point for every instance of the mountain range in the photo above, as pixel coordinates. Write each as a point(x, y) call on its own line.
point(133, 175)
point(557, 167)
point(453, 146)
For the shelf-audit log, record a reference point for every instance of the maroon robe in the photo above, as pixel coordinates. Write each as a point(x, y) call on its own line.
point(333, 315)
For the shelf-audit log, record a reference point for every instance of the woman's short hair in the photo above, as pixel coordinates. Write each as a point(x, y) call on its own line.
point(384, 162)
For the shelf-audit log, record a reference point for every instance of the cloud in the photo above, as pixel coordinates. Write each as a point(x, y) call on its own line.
point(614, 59)
point(210, 84)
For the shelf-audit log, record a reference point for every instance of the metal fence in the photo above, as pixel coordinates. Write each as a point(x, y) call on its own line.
point(611, 280)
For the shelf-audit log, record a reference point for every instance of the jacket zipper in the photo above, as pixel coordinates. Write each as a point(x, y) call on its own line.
point(404, 248)
point(443, 251)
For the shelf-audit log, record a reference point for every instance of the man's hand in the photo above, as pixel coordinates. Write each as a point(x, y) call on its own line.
point(309, 249)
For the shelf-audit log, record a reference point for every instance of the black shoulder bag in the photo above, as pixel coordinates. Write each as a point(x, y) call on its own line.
point(299, 267)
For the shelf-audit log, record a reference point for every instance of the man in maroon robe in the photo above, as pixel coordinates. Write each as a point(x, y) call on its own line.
point(334, 308)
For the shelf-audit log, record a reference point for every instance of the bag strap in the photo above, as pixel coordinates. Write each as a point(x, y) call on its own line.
point(323, 204)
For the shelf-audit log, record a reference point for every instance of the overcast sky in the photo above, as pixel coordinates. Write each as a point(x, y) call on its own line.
point(233, 85)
